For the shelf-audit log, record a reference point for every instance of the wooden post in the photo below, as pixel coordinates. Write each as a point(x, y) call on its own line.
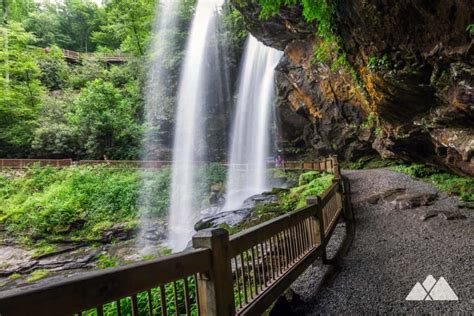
point(335, 166)
point(319, 216)
point(339, 196)
point(215, 288)
point(346, 192)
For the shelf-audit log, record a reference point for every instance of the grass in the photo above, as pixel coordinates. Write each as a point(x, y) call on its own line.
point(37, 275)
point(443, 181)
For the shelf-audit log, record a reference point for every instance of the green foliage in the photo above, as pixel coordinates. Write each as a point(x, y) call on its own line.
point(106, 121)
point(130, 27)
point(470, 29)
point(20, 88)
point(43, 248)
point(374, 63)
point(106, 261)
point(54, 70)
point(444, 181)
point(312, 183)
point(368, 162)
point(38, 275)
point(54, 135)
point(79, 203)
point(416, 170)
point(307, 177)
point(71, 23)
point(233, 33)
point(371, 121)
point(48, 204)
point(14, 276)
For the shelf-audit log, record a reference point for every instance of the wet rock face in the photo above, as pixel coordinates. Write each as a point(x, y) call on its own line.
point(415, 64)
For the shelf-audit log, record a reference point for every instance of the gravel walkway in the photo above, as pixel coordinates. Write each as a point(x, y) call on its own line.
point(393, 248)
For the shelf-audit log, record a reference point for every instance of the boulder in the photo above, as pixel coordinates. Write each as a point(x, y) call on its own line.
point(230, 218)
point(415, 199)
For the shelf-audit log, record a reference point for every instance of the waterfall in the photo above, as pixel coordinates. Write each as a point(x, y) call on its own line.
point(251, 127)
point(165, 31)
point(189, 144)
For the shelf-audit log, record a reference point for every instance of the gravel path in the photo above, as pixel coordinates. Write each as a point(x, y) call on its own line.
point(393, 248)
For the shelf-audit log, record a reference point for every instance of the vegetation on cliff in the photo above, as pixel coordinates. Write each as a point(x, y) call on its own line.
point(311, 183)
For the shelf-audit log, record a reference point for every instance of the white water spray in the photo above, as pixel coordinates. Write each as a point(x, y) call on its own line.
point(251, 129)
point(189, 139)
point(164, 31)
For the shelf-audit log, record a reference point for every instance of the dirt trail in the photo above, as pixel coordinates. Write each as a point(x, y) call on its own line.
point(393, 248)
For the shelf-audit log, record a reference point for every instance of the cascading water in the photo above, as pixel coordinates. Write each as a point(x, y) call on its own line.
point(164, 30)
point(189, 138)
point(251, 126)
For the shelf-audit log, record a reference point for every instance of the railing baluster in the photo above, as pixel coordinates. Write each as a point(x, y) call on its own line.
point(261, 271)
point(250, 273)
point(237, 280)
point(176, 302)
point(119, 309)
point(163, 300)
point(197, 295)
point(264, 268)
point(254, 270)
point(243, 278)
point(285, 249)
point(187, 304)
point(150, 303)
point(134, 305)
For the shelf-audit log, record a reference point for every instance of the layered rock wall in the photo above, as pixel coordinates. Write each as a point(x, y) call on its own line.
point(411, 91)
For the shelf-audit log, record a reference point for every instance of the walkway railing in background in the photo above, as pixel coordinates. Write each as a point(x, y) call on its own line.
point(321, 165)
point(240, 275)
point(25, 163)
point(105, 57)
point(136, 164)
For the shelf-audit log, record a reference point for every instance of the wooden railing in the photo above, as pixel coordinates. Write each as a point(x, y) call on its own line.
point(242, 274)
point(25, 163)
point(322, 165)
point(136, 164)
point(106, 57)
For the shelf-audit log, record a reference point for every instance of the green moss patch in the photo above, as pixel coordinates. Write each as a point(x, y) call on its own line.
point(311, 183)
point(442, 180)
point(37, 275)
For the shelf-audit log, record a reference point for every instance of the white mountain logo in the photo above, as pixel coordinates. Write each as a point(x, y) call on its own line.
point(432, 290)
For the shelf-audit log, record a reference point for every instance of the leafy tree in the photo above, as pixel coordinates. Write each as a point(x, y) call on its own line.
point(18, 10)
point(55, 136)
point(21, 87)
point(44, 24)
point(54, 70)
point(127, 22)
point(105, 121)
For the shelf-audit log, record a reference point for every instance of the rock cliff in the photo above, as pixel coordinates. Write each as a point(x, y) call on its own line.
point(408, 92)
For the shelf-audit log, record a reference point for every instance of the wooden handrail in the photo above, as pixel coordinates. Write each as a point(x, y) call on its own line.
point(98, 288)
point(258, 233)
point(240, 275)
